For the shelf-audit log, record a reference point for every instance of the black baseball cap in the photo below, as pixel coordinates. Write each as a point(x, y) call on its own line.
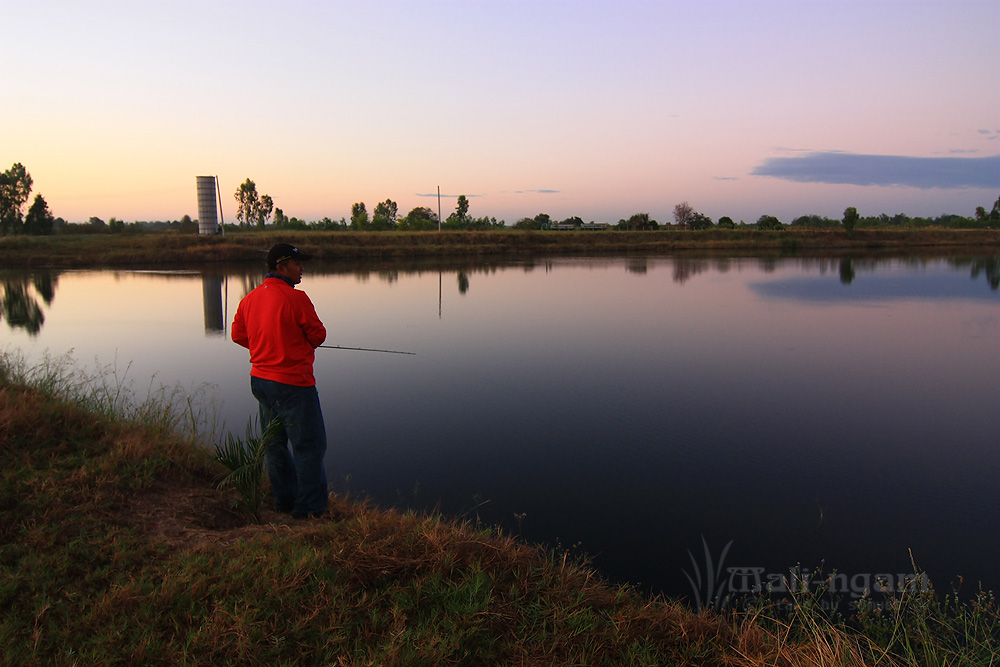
point(283, 252)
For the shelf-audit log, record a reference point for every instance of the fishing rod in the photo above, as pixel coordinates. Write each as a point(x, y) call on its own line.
point(363, 349)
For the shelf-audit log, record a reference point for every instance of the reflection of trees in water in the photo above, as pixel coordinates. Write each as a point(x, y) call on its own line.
point(45, 285)
point(990, 268)
point(389, 276)
point(637, 265)
point(723, 264)
point(20, 309)
point(847, 271)
point(19, 304)
point(685, 269)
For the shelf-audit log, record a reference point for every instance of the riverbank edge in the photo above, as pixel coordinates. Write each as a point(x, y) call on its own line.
point(117, 549)
point(173, 248)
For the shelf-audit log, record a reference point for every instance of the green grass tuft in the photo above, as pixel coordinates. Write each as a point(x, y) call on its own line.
point(245, 461)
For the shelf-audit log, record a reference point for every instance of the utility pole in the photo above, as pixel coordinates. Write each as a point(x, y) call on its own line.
point(439, 208)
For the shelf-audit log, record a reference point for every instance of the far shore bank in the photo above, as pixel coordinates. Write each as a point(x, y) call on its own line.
point(172, 248)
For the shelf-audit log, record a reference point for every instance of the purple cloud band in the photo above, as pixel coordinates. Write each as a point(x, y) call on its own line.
point(885, 170)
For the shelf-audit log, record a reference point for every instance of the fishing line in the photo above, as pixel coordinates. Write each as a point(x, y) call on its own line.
point(363, 349)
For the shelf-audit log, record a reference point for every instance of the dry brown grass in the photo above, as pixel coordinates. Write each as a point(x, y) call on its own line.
point(171, 248)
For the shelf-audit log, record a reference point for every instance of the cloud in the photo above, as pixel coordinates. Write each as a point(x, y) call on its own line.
point(885, 170)
point(539, 192)
point(727, 178)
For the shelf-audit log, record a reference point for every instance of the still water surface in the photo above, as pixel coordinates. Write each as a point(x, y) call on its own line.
point(656, 412)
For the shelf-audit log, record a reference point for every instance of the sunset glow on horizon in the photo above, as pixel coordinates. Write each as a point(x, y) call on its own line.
point(567, 107)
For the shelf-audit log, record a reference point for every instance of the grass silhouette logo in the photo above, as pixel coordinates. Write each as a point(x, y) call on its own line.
point(711, 588)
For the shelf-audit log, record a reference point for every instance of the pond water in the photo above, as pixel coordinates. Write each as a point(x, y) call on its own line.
point(686, 422)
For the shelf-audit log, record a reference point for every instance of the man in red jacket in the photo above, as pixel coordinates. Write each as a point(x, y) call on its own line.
point(279, 325)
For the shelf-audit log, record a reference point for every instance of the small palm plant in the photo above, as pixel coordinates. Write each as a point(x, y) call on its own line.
point(245, 460)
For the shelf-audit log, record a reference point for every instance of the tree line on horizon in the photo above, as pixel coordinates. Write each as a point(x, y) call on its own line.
point(255, 211)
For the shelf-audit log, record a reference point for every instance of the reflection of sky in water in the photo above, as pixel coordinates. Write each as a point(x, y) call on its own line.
point(898, 284)
point(634, 405)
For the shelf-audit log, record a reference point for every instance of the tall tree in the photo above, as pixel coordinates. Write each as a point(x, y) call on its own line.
point(419, 219)
point(459, 219)
point(386, 215)
point(15, 187)
point(682, 214)
point(462, 208)
point(264, 210)
point(700, 221)
point(540, 221)
point(359, 216)
point(39, 220)
point(769, 222)
point(280, 219)
point(247, 203)
point(641, 222)
point(851, 218)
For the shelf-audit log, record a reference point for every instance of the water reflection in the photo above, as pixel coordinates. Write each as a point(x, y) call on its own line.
point(634, 404)
point(847, 271)
point(989, 267)
point(869, 280)
point(25, 293)
point(637, 265)
point(211, 295)
point(21, 293)
point(686, 269)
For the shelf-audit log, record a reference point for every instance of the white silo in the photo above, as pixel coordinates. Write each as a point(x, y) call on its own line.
point(208, 217)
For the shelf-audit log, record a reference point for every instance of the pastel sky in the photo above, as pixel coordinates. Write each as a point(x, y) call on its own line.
point(572, 107)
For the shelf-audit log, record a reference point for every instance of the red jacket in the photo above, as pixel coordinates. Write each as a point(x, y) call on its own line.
point(279, 325)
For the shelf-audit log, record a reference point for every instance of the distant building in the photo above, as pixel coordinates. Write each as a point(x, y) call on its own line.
point(208, 220)
point(569, 226)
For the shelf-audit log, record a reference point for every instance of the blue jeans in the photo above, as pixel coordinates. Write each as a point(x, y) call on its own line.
point(298, 478)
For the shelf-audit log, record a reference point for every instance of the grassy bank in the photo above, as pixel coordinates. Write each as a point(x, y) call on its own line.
point(162, 248)
point(115, 548)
